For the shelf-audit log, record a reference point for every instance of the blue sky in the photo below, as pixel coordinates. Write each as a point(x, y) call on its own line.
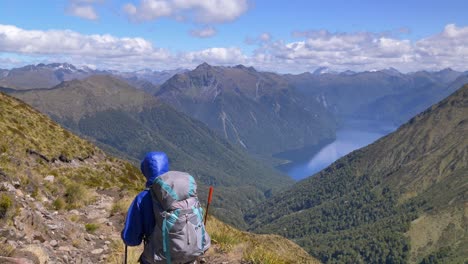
point(284, 36)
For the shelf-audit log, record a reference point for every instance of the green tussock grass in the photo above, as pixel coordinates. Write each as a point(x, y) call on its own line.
point(117, 249)
point(6, 206)
point(91, 227)
point(256, 248)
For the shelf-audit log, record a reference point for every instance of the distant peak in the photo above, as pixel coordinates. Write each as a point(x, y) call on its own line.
point(348, 72)
point(391, 71)
point(202, 66)
point(243, 67)
point(447, 70)
point(322, 70)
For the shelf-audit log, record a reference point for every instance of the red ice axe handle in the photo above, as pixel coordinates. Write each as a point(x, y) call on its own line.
point(210, 196)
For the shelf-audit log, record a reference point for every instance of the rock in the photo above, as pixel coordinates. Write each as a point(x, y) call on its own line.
point(13, 243)
point(39, 237)
point(49, 178)
point(105, 247)
point(94, 214)
point(17, 184)
point(109, 224)
point(101, 237)
point(97, 251)
point(7, 260)
point(7, 187)
point(19, 193)
point(52, 227)
point(64, 248)
point(35, 253)
point(107, 242)
point(90, 237)
point(54, 243)
point(74, 212)
point(18, 224)
point(100, 220)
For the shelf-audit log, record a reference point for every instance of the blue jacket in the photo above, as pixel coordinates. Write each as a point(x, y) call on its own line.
point(140, 218)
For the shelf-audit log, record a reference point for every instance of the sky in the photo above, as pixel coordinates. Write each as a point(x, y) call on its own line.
point(284, 36)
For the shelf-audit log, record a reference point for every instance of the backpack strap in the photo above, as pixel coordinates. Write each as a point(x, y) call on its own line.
point(165, 240)
point(169, 219)
point(196, 210)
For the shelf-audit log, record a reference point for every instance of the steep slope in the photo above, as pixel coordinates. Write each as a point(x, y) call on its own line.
point(62, 200)
point(249, 108)
point(45, 171)
point(412, 181)
point(122, 118)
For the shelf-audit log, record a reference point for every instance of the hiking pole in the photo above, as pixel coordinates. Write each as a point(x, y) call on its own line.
point(210, 196)
point(125, 254)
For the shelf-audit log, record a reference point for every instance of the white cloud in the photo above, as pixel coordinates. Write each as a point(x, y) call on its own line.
point(216, 56)
point(14, 39)
point(205, 32)
point(261, 39)
point(367, 50)
point(199, 11)
point(265, 37)
point(338, 51)
point(83, 11)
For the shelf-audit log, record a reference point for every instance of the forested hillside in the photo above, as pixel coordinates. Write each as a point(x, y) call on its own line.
point(401, 199)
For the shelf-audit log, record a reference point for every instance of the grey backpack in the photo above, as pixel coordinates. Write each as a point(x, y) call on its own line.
point(179, 235)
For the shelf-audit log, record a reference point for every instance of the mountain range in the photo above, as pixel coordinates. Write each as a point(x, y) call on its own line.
point(128, 122)
point(385, 95)
point(252, 109)
point(48, 75)
point(400, 199)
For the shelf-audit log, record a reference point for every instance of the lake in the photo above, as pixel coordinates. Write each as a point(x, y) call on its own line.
point(352, 135)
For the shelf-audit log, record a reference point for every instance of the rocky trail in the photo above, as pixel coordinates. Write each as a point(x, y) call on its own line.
point(42, 235)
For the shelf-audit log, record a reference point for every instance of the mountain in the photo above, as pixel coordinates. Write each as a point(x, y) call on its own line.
point(385, 95)
point(400, 199)
point(148, 80)
point(128, 122)
point(323, 70)
point(154, 77)
point(401, 106)
point(42, 75)
point(249, 108)
point(62, 200)
point(49, 75)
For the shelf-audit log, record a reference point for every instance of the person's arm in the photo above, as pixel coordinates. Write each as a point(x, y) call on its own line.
point(132, 234)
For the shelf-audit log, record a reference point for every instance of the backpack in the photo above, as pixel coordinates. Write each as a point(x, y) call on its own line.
point(179, 235)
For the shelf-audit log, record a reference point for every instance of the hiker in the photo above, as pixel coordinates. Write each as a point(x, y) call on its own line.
point(167, 206)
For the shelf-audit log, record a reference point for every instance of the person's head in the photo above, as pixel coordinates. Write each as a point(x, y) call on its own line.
point(153, 165)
